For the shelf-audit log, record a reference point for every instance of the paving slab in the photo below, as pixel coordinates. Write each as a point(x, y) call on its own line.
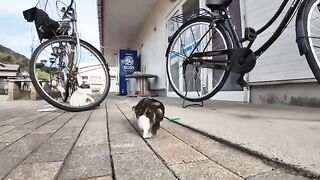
point(173, 151)
point(72, 128)
point(126, 142)
point(139, 165)
point(203, 170)
point(14, 135)
point(51, 151)
point(121, 127)
point(65, 117)
point(47, 129)
point(79, 119)
point(14, 154)
point(3, 145)
point(282, 133)
point(95, 131)
point(67, 133)
point(126, 108)
point(114, 114)
point(189, 136)
point(117, 121)
point(101, 178)
point(6, 121)
point(22, 120)
point(54, 125)
point(40, 121)
point(36, 171)
point(276, 175)
point(236, 161)
point(86, 162)
point(5, 129)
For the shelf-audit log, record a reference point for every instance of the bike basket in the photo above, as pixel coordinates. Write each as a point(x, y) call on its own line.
point(46, 18)
point(181, 18)
point(177, 21)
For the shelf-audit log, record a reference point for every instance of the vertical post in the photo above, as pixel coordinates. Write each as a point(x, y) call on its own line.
point(34, 95)
point(14, 90)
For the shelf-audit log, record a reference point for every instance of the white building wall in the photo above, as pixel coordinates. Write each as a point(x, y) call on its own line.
point(282, 60)
point(151, 41)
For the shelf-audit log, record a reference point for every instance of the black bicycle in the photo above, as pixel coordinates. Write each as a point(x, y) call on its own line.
point(66, 71)
point(206, 48)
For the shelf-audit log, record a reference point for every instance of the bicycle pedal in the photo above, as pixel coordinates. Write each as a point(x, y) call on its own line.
point(250, 33)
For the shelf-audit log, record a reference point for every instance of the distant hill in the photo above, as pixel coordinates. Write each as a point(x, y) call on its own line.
point(8, 56)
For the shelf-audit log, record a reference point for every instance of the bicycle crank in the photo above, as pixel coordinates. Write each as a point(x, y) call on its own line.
point(242, 60)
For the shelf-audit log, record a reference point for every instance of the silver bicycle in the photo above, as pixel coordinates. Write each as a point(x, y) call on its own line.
point(67, 72)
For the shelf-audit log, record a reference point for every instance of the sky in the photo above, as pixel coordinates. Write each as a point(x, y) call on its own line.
point(17, 34)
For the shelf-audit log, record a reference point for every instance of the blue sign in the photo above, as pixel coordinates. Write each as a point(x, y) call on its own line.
point(127, 65)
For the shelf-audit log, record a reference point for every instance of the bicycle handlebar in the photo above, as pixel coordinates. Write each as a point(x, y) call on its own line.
point(69, 8)
point(71, 3)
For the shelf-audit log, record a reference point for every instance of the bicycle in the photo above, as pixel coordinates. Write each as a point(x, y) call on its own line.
point(67, 72)
point(206, 48)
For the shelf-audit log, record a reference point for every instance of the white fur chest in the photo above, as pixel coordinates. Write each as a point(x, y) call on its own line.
point(144, 125)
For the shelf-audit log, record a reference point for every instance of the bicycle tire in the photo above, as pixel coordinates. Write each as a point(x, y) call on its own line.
point(229, 44)
point(83, 44)
point(311, 55)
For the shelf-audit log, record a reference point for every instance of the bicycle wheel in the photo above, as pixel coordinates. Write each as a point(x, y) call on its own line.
point(67, 78)
point(311, 23)
point(198, 81)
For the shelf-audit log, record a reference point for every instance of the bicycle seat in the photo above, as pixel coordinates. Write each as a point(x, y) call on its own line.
point(218, 4)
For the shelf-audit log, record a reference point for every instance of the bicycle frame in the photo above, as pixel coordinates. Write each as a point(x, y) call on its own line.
point(294, 7)
point(225, 17)
point(70, 14)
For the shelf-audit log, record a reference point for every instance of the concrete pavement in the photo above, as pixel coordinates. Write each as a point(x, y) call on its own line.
point(105, 144)
point(283, 134)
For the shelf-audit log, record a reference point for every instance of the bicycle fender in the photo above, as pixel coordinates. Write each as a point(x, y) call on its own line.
point(300, 30)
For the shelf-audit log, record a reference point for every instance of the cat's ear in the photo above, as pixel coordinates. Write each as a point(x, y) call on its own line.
point(133, 108)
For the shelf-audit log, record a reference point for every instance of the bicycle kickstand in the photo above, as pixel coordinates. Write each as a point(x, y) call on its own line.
point(193, 104)
point(184, 98)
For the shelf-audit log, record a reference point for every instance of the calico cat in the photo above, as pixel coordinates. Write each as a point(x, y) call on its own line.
point(149, 113)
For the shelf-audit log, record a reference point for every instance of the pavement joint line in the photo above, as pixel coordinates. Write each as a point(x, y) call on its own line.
point(157, 154)
point(91, 177)
point(7, 131)
point(129, 152)
point(22, 124)
point(9, 115)
point(259, 174)
point(35, 149)
point(28, 122)
point(31, 131)
point(210, 159)
point(31, 120)
point(272, 161)
point(19, 116)
point(72, 147)
point(109, 143)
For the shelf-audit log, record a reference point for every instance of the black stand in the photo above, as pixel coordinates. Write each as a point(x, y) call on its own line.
point(184, 99)
point(193, 104)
